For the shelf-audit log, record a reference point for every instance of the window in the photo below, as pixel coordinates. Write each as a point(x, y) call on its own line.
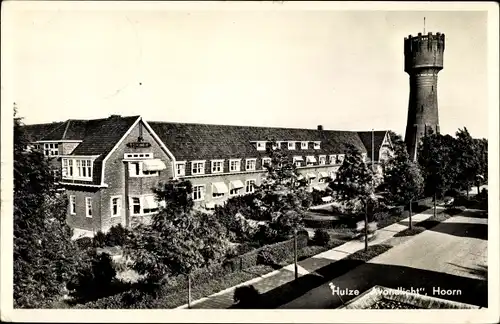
point(234, 165)
point(138, 155)
point(310, 160)
point(217, 195)
point(276, 145)
point(297, 161)
point(136, 169)
point(51, 149)
point(261, 146)
point(180, 169)
point(333, 159)
point(340, 158)
point(265, 161)
point(234, 191)
point(198, 193)
point(136, 206)
point(72, 205)
point(250, 186)
point(88, 206)
point(217, 166)
point(116, 206)
point(317, 145)
point(77, 169)
point(291, 145)
point(322, 159)
point(303, 145)
point(198, 167)
point(143, 205)
point(250, 164)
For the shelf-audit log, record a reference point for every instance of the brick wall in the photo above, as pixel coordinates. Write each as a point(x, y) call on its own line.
point(80, 220)
point(208, 180)
point(119, 184)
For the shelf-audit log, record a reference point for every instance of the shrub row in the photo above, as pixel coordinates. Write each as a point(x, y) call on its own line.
point(280, 252)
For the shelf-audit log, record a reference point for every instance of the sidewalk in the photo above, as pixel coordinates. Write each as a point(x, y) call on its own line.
point(224, 299)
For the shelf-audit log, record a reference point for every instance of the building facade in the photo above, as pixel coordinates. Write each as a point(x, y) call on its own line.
point(109, 167)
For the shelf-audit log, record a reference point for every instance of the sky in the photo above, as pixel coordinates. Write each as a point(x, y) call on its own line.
point(283, 68)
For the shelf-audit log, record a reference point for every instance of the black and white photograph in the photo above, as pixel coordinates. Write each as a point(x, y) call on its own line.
point(249, 161)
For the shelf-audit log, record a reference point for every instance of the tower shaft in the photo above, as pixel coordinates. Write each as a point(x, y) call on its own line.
point(423, 61)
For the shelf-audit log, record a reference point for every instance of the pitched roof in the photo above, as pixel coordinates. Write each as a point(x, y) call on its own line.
point(378, 139)
point(102, 134)
point(206, 141)
point(36, 132)
point(98, 137)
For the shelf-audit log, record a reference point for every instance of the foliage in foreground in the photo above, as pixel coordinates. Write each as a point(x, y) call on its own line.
point(45, 258)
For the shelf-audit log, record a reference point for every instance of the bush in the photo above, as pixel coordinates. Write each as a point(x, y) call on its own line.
point(99, 239)
point(84, 243)
point(96, 278)
point(266, 257)
point(321, 237)
point(317, 196)
point(117, 235)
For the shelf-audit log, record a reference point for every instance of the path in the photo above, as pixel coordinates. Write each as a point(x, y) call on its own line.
point(450, 256)
point(285, 276)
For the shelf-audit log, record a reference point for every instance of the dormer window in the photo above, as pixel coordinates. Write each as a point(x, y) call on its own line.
point(250, 164)
point(303, 145)
point(310, 160)
point(265, 161)
point(340, 158)
point(261, 146)
point(291, 145)
point(317, 145)
point(198, 167)
point(333, 159)
point(51, 149)
point(77, 168)
point(180, 169)
point(235, 165)
point(322, 159)
point(217, 166)
point(297, 160)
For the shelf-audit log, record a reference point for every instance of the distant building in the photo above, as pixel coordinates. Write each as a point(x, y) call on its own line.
point(109, 166)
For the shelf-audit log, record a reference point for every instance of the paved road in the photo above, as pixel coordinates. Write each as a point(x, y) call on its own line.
point(450, 256)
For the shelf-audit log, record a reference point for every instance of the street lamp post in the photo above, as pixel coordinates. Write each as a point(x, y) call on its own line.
point(295, 254)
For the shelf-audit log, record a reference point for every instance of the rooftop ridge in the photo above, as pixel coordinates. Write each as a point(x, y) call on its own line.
point(252, 126)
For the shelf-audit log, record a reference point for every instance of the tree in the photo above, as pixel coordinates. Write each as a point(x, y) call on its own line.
point(403, 181)
point(45, 257)
point(354, 184)
point(482, 154)
point(178, 241)
point(467, 158)
point(281, 196)
point(439, 168)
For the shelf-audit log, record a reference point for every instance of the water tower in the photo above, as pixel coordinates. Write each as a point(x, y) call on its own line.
point(423, 61)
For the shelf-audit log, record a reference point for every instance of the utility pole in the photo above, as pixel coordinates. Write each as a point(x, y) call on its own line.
point(295, 254)
point(189, 290)
point(373, 151)
point(366, 226)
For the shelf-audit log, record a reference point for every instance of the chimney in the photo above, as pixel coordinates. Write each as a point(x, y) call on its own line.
point(320, 127)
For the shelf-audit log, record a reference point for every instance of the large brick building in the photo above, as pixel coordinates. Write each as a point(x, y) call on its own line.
point(109, 166)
